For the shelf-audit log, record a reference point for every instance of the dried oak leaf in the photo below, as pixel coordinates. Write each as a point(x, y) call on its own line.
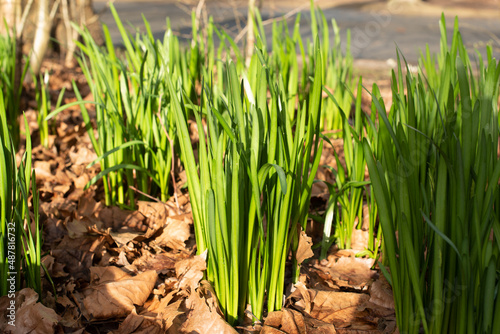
point(304, 250)
point(113, 293)
point(189, 272)
point(340, 308)
point(29, 316)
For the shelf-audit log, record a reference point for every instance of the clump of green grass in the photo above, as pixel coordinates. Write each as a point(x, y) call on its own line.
point(251, 192)
point(136, 138)
point(20, 237)
point(11, 78)
point(435, 177)
point(347, 194)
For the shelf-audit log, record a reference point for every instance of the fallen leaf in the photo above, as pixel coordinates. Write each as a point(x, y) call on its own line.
point(189, 272)
point(43, 171)
point(359, 240)
point(175, 232)
point(304, 250)
point(356, 271)
point(204, 316)
point(76, 229)
point(135, 324)
point(123, 220)
point(82, 156)
point(161, 263)
point(284, 321)
point(26, 314)
point(339, 308)
point(113, 293)
point(381, 293)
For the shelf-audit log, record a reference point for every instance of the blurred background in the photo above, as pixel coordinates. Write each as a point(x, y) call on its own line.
point(377, 27)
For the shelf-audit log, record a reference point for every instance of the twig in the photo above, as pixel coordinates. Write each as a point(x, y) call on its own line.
point(144, 194)
point(26, 11)
point(274, 19)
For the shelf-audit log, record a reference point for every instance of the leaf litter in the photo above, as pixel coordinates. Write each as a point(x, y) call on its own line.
point(123, 271)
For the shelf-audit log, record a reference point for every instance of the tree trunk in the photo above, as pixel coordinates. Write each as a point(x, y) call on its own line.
point(250, 34)
point(42, 36)
point(10, 11)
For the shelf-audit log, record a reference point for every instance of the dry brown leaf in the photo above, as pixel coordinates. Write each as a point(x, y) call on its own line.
point(81, 181)
point(113, 293)
point(318, 327)
point(381, 293)
point(204, 316)
point(43, 171)
point(292, 322)
point(339, 308)
point(139, 324)
point(161, 263)
point(87, 206)
point(304, 250)
point(189, 272)
point(123, 220)
point(123, 238)
point(29, 316)
point(70, 315)
point(76, 228)
point(176, 232)
point(284, 321)
point(82, 156)
point(164, 311)
point(359, 240)
point(356, 271)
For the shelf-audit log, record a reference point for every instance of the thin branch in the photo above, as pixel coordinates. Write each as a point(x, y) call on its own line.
point(274, 19)
point(26, 11)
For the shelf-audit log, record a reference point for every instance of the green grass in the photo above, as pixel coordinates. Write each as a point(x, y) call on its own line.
point(20, 235)
point(252, 190)
point(10, 85)
point(435, 177)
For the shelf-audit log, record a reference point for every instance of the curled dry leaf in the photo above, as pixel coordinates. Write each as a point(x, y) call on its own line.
point(27, 315)
point(113, 293)
point(304, 250)
point(189, 272)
